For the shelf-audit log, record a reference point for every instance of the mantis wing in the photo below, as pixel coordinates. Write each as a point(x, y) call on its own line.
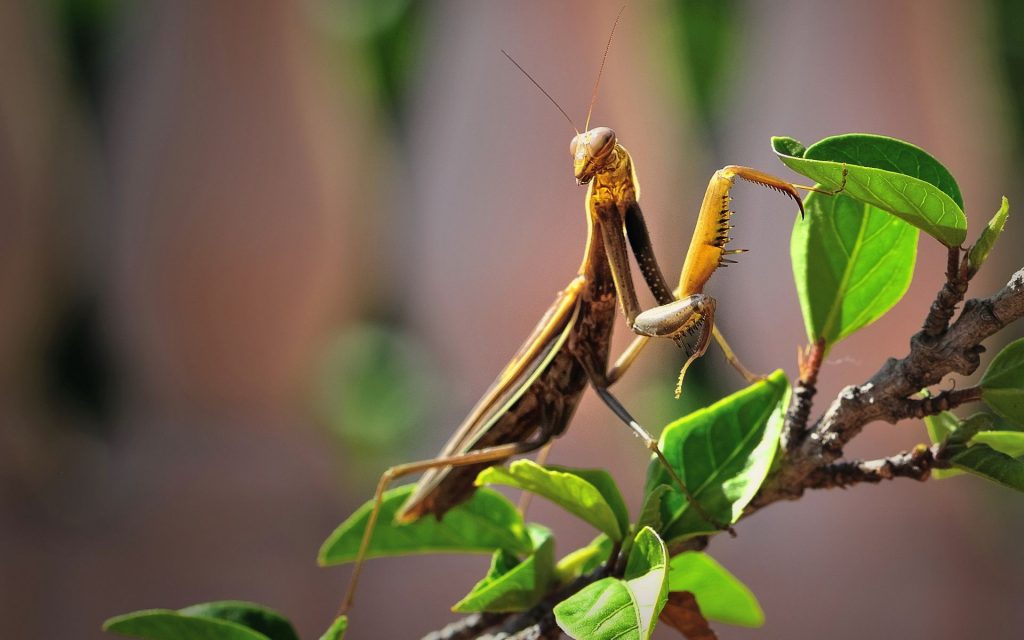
point(529, 363)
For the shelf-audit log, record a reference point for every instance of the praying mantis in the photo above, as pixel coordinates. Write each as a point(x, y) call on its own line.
point(534, 397)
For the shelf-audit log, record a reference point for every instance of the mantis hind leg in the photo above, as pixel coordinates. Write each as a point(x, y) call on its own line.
point(601, 382)
point(489, 454)
point(652, 445)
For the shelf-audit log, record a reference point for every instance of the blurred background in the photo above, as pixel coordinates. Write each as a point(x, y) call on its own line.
point(252, 253)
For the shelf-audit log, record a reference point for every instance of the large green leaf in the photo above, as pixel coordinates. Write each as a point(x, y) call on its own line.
point(982, 460)
point(722, 453)
point(164, 624)
point(511, 585)
point(484, 523)
point(720, 595)
point(1002, 385)
point(979, 252)
point(890, 174)
point(580, 492)
point(852, 262)
point(621, 609)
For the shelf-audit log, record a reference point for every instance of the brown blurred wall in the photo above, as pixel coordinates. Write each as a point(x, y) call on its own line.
point(241, 161)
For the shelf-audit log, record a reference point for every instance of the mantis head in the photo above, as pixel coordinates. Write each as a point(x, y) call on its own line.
point(590, 151)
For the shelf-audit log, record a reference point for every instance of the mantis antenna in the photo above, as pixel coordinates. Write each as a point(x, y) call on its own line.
point(600, 71)
point(546, 94)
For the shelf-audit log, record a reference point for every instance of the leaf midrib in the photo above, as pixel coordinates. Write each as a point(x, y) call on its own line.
point(836, 307)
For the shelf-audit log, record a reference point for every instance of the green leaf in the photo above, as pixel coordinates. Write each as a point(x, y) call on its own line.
point(254, 616)
point(614, 609)
point(584, 560)
point(605, 483)
point(979, 252)
point(890, 174)
point(647, 577)
point(224, 620)
point(337, 629)
point(982, 460)
point(511, 585)
point(852, 262)
point(1002, 386)
point(566, 488)
point(1010, 443)
point(722, 453)
point(940, 427)
point(484, 523)
point(164, 624)
point(720, 595)
point(650, 512)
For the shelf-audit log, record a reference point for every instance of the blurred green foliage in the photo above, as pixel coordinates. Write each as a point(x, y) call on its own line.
point(706, 38)
point(86, 29)
point(388, 36)
point(375, 389)
point(1007, 24)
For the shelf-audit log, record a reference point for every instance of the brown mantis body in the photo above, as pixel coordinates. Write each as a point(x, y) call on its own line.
point(535, 396)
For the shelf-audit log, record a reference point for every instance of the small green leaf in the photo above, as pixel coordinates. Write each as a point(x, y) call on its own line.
point(720, 595)
point(584, 560)
point(647, 577)
point(979, 252)
point(852, 262)
point(614, 609)
point(164, 624)
point(940, 427)
point(1010, 443)
point(224, 620)
point(566, 488)
point(254, 616)
point(722, 453)
point(650, 512)
point(337, 629)
point(511, 585)
point(484, 523)
point(1002, 386)
point(890, 174)
point(605, 483)
point(982, 460)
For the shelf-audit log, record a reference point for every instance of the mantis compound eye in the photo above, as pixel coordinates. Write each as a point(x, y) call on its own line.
point(601, 141)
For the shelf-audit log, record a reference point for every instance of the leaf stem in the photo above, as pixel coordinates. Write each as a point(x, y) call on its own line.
point(809, 362)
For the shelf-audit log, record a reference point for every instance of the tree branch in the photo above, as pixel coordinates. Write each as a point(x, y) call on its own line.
point(469, 627)
point(811, 460)
point(951, 294)
point(915, 464)
point(888, 394)
point(799, 411)
point(957, 350)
